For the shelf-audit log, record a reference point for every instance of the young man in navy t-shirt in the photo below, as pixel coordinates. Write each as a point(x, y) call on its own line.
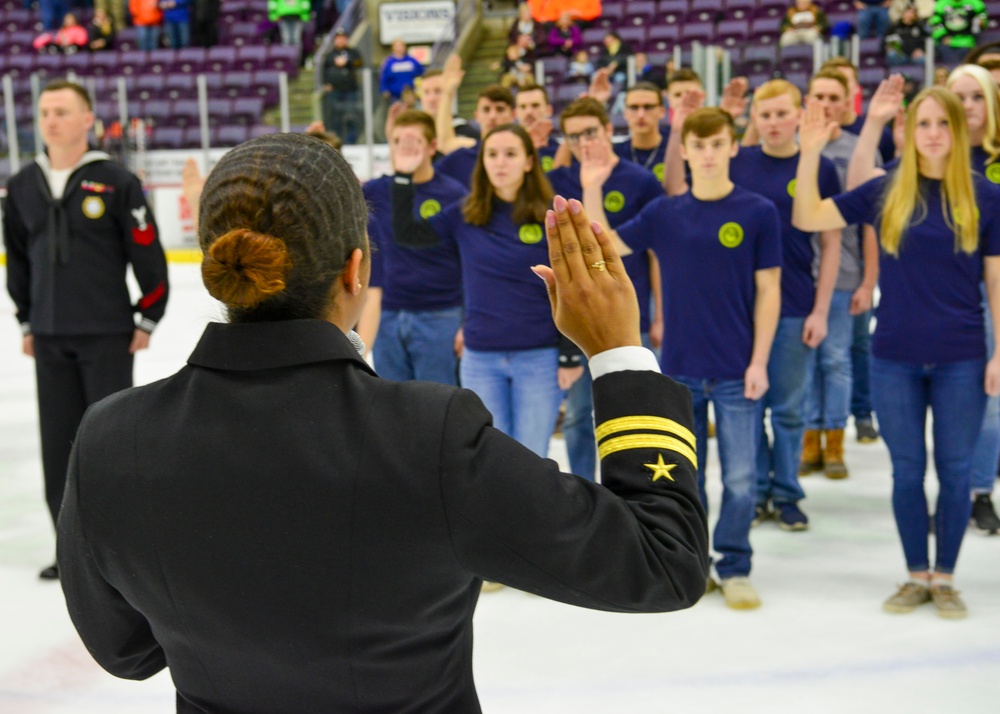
point(585, 124)
point(769, 169)
point(720, 248)
point(417, 288)
point(533, 111)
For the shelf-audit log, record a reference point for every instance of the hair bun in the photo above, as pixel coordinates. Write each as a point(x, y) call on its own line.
point(243, 268)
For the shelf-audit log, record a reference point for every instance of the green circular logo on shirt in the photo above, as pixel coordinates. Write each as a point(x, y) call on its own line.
point(731, 234)
point(429, 208)
point(547, 163)
point(791, 188)
point(993, 173)
point(614, 201)
point(530, 233)
point(958, 216)
point(659, 171)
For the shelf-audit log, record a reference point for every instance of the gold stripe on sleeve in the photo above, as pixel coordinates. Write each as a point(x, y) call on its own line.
point(644, 423)
point(647, 441)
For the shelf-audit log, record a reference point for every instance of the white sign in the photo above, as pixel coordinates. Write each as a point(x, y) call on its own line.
point(415, 22)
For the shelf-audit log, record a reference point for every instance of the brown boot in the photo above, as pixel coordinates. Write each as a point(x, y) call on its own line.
point(833, 454)
point(812, 455)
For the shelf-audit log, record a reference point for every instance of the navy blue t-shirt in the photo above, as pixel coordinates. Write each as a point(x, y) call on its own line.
point(886, 144)
point(547, 154)
point(930, 311)
point(506, 305)
point(649, 159)
point(628, 189)
point(774, 179)
point(459, 164)
point(413, 278)
point(708, 253)
point(977, 159)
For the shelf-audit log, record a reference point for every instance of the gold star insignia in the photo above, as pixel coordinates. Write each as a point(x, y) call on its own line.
point(661, 469)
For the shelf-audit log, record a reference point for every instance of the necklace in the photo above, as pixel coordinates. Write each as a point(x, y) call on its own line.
point(648, 163)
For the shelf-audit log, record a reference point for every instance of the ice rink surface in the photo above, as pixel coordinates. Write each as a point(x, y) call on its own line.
point(820, 643)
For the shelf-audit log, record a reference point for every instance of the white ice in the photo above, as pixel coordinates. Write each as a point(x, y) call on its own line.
point(820, 643)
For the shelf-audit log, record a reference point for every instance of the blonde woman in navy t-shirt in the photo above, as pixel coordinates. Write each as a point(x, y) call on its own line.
point(939, 233)
point(511, 353)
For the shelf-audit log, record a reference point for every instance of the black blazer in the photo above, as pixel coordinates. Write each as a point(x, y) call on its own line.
point(289, 533)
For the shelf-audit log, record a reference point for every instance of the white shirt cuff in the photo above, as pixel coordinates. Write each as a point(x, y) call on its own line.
point(622, 359)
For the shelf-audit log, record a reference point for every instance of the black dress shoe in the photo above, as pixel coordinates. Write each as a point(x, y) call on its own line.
point(50, 573)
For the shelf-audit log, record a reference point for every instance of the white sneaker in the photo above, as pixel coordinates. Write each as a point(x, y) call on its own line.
point(740, 594)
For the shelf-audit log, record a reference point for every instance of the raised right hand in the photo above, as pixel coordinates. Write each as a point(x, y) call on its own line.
point(887, 99)
point(814, 130)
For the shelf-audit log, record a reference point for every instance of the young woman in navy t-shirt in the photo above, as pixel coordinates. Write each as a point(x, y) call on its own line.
point(511, 354)
point(939, 231)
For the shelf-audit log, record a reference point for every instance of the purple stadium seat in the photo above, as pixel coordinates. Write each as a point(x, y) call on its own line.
point(765, 30)
point(796, 58)
point(872, 60)
point(191, 60)
point(251, 57)
point(740, 9)
point(634, 37)
point(834, 18)
point(672, 12)
point(832, 6)
point(131, 62)
point(262, 130)
point(697, 32)
point(554, 68)
point(167, 137)
point(149, 86)
point(18, 19)
point(192, 137)
point(611, 16)
point(243, 33)
point(566, 93)
point(126, 38)
point(104, 64)
point(248, 110)
point(158, 111)
point(283, 59)
point(593, 37)
point(161, 61)
point(181, 86)
point(731, 33)
point(799, 79)
point(20, 65)
point(658, 59)
point(220, 59)
point(704, 11)
point(219, 111)
point(993, 11)
point(772, 8)
point(662, 38)
point(870, 46)
point(215, 83)
point(759, 59)
point(640, 13)
point(49, 65)
point(185, 113)
point(265, 84)
point(238, 84)
point(79, 63)
point(230, 135)
point(19, 42)
point(869, 78)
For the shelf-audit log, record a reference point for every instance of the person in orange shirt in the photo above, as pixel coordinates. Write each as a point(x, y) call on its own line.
point(147, 18)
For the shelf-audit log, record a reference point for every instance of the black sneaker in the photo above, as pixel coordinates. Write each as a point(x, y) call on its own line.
point(867, 433)
point(984, 516)
point(763, 512)
point(791, 518)
point(50, 573)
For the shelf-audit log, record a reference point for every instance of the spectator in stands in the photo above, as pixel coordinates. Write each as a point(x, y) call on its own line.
point(614, 55)
point(290, 16)
point(552, 10)
point(340, 88)
point(205, 22)
point(525, 25)
point(565, 37)
point(925, 8)
point(955, 24)
point(646, 72)
point(399, 71)
point(115, 9)
point(580, 68)
point(177, 22)
point(70, 38)
point(803, 24)
point(147, 18)
point(101, 34)
point(904, 43)
point(515, 70)
point(53, 12)
point(873, 18)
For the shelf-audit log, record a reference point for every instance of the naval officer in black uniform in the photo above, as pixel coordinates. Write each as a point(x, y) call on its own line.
point(298, 535)
point(73, 222)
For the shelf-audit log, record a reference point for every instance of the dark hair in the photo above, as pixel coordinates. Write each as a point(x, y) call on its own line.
point(980, 50)
point(644, 87)
point(584, 107)
point(532, 200)
point(280, 216)
point(706, 122)
point(683, 75)
point(535, 88)
point(58, 84)
point(496, 93)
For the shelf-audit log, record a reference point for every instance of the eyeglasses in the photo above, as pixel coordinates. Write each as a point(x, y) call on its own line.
point(587, 134)
point(644, 107)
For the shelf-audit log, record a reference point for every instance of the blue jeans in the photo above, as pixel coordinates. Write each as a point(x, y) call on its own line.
point(986, 453)
point(578, 423)
point(778, 463)
point(828, 392)
point(737, 427)
point(861, 350)
point(521, 390)
point(902, 392)
point(290, 27)
point(147, 37)
point(178, 34)
point(342, 114)
point(418, 345)
point(53, 12)
point(873, 21)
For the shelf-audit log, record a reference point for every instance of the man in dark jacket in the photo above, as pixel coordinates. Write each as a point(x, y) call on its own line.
point(73, 222)
point(341, 110)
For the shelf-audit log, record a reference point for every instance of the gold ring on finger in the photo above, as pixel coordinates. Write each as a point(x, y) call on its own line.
point(599, 265)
